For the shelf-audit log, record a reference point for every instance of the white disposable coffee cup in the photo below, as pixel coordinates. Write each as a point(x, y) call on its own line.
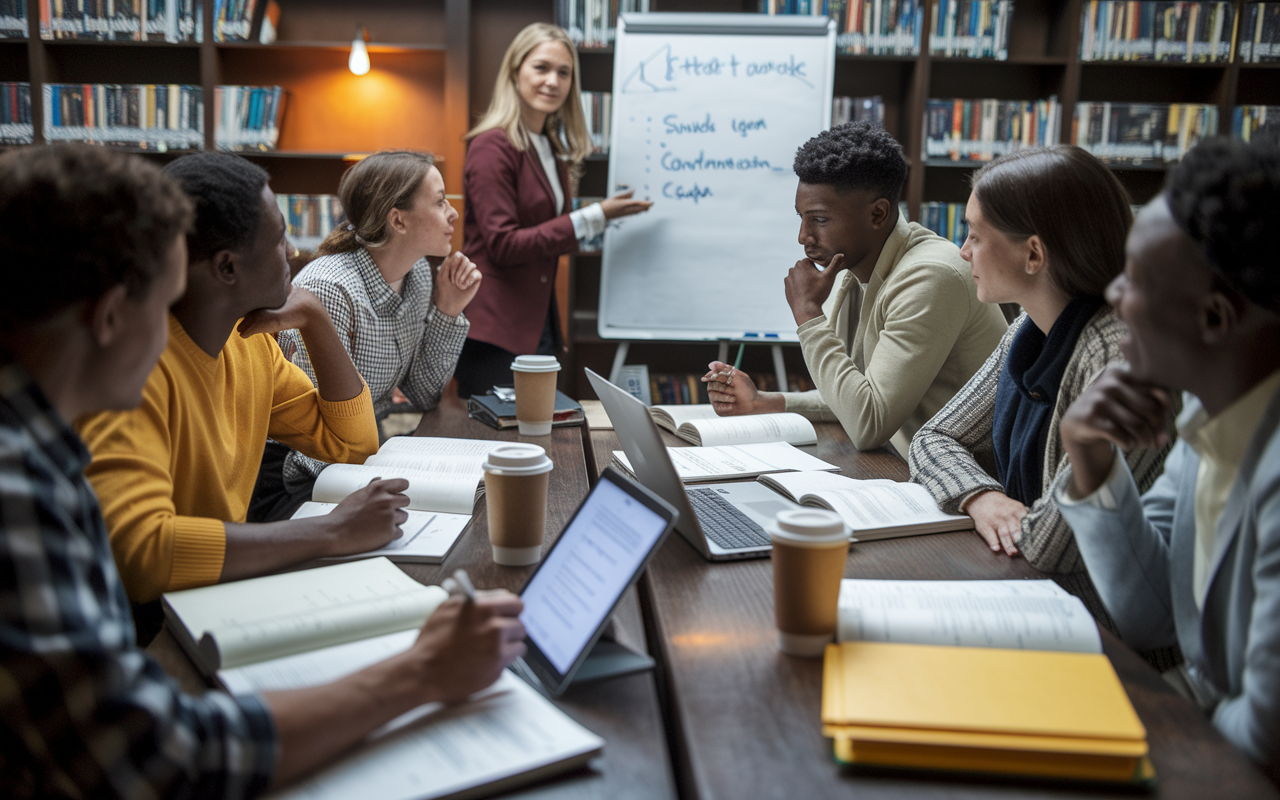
point(516, 476)
point(810, 547)
point(535, 379)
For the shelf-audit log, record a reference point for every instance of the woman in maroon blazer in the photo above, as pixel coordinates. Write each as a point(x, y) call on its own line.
point(516, 181)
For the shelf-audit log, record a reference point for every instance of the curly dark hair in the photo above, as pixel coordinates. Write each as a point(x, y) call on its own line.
point(854, 156)
point(76, 220)
point(227, 192)
point(1225, 195)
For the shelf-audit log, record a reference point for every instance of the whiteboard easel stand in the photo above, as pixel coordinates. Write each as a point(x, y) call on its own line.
point(779, 368)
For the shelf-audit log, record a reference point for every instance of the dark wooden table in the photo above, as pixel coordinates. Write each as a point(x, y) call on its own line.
point(624, 711)
point(745, 718)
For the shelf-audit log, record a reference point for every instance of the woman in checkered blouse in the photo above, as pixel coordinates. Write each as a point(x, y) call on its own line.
point(400, 320)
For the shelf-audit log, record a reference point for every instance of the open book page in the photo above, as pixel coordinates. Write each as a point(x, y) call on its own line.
point(869, 507)
point(672, 417)
point(436, 446)
point(786, 427)
point(262, 618)
point(735, 461)
point(1013, 615)
point(450, 492)
point(316, 667)
point(426, 536)
point(503, 737)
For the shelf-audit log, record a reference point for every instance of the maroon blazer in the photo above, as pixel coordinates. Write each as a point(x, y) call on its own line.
point(515, 235)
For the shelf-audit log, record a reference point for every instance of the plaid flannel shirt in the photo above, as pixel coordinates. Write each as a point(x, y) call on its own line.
point(395, 340)
point(83, 711)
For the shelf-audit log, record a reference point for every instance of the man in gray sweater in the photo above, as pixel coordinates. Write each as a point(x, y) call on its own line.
point(891, 326)
point(1196, 560)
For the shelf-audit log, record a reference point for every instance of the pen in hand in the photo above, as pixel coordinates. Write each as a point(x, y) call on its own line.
point(460, 584)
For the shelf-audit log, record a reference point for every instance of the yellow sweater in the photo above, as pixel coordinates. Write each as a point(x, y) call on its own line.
point(169, 473)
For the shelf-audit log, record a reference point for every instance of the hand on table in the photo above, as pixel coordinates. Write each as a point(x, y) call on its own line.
point(808, 287)
point(1117, 409)
point(733, 393)
point(998, 520)
point(464, 645)
point(367, 519)
point(457, 281)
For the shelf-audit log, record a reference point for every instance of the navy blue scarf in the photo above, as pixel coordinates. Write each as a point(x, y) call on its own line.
point(1026, 394)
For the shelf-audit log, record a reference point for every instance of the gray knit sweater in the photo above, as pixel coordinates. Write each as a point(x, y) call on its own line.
point(952, 454)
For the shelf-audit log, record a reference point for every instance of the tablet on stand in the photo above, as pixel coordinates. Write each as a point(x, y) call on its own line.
point(569, 600)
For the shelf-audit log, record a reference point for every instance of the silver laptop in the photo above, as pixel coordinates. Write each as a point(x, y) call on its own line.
point(724, 521)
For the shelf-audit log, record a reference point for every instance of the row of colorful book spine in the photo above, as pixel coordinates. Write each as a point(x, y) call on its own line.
point(1126, 30)
point(1260, 33)
point(980, 130)
point(971, 28)
point(161, 117)
point(13, 19)
point(1247, 119)
point(597, 109)
point(593, 23)
point(249, 116)
point(138, 20)
point(945, 219)
point(863, 27)
point(309, 217)
point(1142, 132)
point(857, 109)
point(15, 113)
point(120, 20)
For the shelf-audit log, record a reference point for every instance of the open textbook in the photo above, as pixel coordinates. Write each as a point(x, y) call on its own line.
point(873, 509)
point(1010, 615)
point(444, 474)
point(727, 462)
point(426, 537)
point(259, 620)
point(700, 425)
point(502, 737)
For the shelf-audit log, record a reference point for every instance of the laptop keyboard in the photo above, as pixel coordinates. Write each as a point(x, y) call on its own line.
point(724, 524)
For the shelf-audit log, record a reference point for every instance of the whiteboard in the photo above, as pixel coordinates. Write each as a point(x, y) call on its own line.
point(708, 110)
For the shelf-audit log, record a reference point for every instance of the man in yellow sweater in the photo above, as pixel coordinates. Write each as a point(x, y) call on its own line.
point(892, 327)
point(175, 475)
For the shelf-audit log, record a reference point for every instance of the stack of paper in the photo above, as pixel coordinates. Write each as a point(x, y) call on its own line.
point(1017, 712)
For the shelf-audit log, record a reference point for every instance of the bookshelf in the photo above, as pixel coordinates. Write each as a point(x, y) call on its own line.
point(415, 97)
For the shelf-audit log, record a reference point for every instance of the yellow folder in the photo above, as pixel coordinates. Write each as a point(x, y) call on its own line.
point(1026, 712)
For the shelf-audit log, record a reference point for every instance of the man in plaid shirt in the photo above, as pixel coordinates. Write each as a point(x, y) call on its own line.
point(96, 248)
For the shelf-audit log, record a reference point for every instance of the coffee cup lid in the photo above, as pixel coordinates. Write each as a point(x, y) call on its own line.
point(517, 458)
point(813, 525)
point(535, 364)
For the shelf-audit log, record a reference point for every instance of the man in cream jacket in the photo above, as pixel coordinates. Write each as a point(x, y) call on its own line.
point(891, 326)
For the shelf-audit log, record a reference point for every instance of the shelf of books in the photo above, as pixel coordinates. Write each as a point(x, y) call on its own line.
point(15, 113)
point(159, 117)
point(13, 19)
point(1260, 33)
point(971, 28)
point(1124, 30)
point(309, 218)
point(1248, 119)
point(980, 130)
point(1142, 134)
point(592, 24)
point(945, 219)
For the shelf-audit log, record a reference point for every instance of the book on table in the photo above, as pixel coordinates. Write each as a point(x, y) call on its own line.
point(445, 478)
point(500, 413)
point(1001, 677)
point(727, 462)
point(700, 425)
point(308, 628)
point(873, 509)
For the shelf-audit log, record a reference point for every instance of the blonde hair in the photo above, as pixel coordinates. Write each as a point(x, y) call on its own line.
point(368, 191)
point(504, 108)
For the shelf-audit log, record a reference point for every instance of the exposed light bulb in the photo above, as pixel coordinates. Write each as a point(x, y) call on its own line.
point(359, 61)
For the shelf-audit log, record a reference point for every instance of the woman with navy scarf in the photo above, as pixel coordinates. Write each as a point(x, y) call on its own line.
point(1046, 231)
